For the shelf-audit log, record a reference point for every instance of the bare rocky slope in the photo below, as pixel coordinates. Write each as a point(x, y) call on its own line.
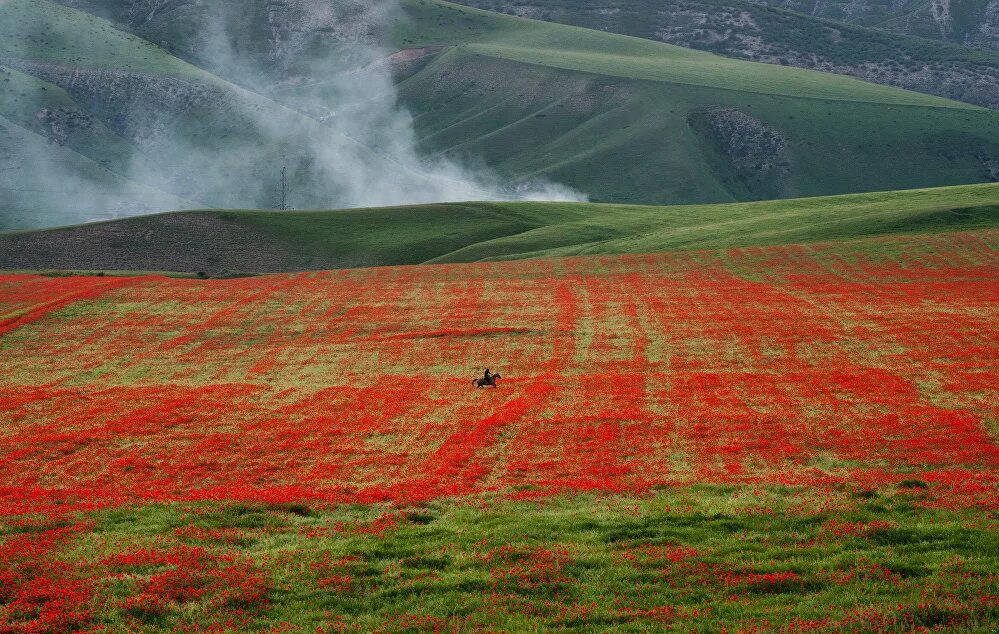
point(973, 23)
point(773, 31)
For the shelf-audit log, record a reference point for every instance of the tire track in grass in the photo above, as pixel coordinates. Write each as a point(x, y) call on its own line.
point(202, 327)
point(38, 312)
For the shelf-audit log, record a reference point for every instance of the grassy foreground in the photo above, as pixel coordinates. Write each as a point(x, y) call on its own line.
point(255, 241)
point(707, 558)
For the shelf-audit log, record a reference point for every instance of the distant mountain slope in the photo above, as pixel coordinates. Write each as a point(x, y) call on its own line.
point(751, 30)
point(256, 241)
point(621, 119)
point(969, 22)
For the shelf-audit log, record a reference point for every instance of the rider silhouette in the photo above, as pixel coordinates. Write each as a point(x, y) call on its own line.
point(488, 377)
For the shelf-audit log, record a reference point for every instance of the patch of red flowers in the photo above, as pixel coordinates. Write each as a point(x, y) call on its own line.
point(39, 593)
point(788, 365)
point(167, 580)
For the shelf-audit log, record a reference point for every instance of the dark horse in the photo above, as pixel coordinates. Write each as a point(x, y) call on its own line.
point(490, 382)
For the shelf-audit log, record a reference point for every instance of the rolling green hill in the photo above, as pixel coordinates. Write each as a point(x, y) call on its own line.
point(755, 31)
point(628, 120)
point(624, 120)
point(257, 241)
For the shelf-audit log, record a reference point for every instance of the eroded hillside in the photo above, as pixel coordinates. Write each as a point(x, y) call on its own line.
point(970, 22)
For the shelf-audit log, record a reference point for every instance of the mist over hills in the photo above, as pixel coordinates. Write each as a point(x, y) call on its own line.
point(110, 109)
point(228, 136)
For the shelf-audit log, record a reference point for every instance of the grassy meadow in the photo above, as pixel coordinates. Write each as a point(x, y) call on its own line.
point(703, 559)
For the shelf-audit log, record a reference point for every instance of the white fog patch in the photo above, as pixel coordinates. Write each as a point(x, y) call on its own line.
point(369, 154)
point(315, 95)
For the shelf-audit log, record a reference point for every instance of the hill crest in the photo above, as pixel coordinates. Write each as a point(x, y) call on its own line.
point(268, 242)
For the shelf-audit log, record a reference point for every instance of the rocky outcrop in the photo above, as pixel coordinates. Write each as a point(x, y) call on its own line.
point(755, 153)
point(139, 107)
point(61, 122)
point(986, 35)
point(976, 84)
point(991, 165)
point(737, 33)
point(966, 22)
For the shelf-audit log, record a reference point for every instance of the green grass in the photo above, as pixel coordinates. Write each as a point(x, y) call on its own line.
point(580, 49)
point(614, 118)
point(795, 37)
point(573, 48)
point(470, 232)
point(625, 141)
point(48, 32)
point(580, 563)
point(614, 229)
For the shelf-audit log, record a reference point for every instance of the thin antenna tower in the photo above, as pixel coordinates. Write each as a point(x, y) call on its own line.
point(284, 185)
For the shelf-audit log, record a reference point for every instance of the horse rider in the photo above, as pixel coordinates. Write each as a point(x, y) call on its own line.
point(487, 377)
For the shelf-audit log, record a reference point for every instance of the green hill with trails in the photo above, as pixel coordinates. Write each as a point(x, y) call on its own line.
point(574, 48)
point(632, 115)
point(629, 120)
point(752, 30)
point(260, 241)
point(621, 119)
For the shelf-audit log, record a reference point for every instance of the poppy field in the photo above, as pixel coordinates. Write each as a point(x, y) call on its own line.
point(762, 439)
